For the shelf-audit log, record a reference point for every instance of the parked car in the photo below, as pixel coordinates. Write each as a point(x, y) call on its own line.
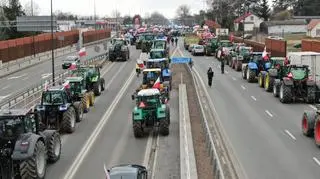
point(198, 50)
point(191, 47)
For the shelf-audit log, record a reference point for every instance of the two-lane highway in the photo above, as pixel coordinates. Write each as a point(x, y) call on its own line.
point(264, 133)
point(30, 76)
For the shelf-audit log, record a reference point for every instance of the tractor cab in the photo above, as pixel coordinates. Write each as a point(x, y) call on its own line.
point(150, 76)
point(161, 63)
point(77, 87)
point(148, 98)
point(161, 45)
point(127, 171)
point(157, 53)
point(298, 72)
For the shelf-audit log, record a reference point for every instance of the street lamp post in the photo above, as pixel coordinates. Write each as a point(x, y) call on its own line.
point(52, 49)
point(33, 45)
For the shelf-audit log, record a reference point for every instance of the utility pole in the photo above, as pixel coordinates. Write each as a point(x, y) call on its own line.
point(33, 45)
point(53, 46)
point(244, 19)
point(95, 17)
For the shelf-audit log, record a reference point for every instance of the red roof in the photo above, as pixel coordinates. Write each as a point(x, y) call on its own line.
point(313, 23)
point(212, 24)
point(241, 18)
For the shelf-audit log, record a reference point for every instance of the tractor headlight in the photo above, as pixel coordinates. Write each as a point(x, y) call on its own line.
point(63, 108)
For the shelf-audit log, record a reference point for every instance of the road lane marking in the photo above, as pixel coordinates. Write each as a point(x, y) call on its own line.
point(114, 76)
point(234, 79)
point(291, 135)
point(45, 75)
point(316, 160)
point(148, 151)
point(6, 87)
point(16, 77)
point(243, 87)
point(313, 107)
point(269, 113)
point(155, 158)
point(95, 134)
point(254, 98)
point(4, 97)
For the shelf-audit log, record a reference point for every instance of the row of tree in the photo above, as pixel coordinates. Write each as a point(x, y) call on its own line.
point(225, 11)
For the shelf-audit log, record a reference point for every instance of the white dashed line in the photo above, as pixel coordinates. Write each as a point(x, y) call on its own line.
point(234, 78)
point(254, 98)
point(243, 87)
point(316, 160)
point(269, 113)
point(6, 87)
point(289, 133)
point(313, 107)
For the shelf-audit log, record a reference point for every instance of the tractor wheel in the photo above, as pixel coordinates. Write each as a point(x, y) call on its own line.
point(260, 81)
point(244, 73)
point(307, 123)
point(317, 131)
point(268, 82)
point(97, 88)
point(137, 129)
point(68, 123)
point(35, 166)
point(275, 90)
point(285, 94)
point(311, 94)
point(54, 147)
point(251, 75)
point(85, 103)
point(102, 84)
point(79, 111)
point(91, 98)
point(168, 113)
point(164, 126)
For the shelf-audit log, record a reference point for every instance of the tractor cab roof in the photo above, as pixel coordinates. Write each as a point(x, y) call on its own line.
point(157, 50)
point(71, 58)
point(74, 79)
point(130, 171)
point(257, 53)
point(148, 92)
point(157, 60)
point(14, 112)
point(56, 88)
point(152, 70)
point(278, 58)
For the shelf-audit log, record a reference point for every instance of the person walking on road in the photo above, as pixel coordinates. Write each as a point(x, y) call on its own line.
point(176, 41)
point(172, 41)
point(210, 74)
point(222, 66)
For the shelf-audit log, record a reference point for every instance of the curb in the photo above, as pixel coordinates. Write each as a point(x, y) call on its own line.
point(188, 167)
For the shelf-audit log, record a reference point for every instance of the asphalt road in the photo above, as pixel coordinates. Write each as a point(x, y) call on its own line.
point(265, 134)
point(33, 75)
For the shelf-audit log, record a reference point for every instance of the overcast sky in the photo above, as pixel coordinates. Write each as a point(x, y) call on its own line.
point(105, 7)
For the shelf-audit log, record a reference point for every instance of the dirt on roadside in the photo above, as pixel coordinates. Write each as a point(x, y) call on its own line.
point(204, 166)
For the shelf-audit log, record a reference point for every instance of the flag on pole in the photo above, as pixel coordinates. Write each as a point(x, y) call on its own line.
point(82, 52)
point(73, 66)
point(265, 54)
point(157, 84)
point(46, 85)
point(66, 84)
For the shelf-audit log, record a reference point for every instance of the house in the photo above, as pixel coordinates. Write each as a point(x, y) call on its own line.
point(283, 27)
point(212, 24)
point(249, 20)
point(313, 28)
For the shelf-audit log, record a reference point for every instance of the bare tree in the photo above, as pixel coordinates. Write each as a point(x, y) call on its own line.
point(183, 11)
point(31, 8)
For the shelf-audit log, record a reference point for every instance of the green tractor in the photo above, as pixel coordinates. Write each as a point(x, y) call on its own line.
point(147, 42)
point(80, 93)
point(243, 55)
point(91, 74)
point(277, 71)
point(211, 47)
point(150, 111)
point(161, 44)
point(58, 111)
point(310, 124)
point(296, 84)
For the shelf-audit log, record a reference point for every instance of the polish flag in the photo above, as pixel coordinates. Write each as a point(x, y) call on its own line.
point(265, 54)
point(66, 84)
point(157, 84)
point(46, 86)
point(73, 66)
point(82, 52)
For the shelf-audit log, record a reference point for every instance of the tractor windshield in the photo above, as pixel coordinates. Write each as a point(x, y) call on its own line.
point(159, 44)
point(11, 126)
point(256, 58)
point(226, 44)
point(245, 51)
point(149, 101)
point(158, 64)
point(52, 97)
point(156, 54)
point(150, 77)
point(75, 87)
point(116, 42)
point(149, 37)
point(299, 73)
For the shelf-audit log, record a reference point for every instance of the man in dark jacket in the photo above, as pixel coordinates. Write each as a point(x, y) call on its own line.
point(210, 74)
point(222, 66)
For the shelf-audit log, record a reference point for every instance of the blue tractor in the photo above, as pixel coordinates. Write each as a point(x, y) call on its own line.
point(256, 65)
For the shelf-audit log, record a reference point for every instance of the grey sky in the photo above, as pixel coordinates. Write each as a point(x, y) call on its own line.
point(105, 7)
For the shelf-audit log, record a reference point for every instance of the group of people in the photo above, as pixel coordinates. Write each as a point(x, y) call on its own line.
point(173, 40)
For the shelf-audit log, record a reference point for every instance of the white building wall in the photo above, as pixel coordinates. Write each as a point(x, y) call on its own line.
point(313, 32)
point(279, 29)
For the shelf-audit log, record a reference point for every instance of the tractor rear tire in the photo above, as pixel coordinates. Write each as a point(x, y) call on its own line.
point(275, 90)
point(68, 123)
point(91, 98)
point(54, 147)
point(244, 73)
point(307, 123)
point(311, 94)
point(79, 110)
point(285, 94)
point(251, 75)
point(261, 80)
point(137, 129)
point(102, 84)
point(268, 83)
point(29, 168)
point(317, 131)
point(97, 88)
point(164, 126)
point(85, 103)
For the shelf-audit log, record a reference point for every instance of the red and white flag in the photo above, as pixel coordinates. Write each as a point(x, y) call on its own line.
point(73, 66)
point(66, 84)
point(46, 86)
point(157, 84)
point(264, 53)
point(82, 52)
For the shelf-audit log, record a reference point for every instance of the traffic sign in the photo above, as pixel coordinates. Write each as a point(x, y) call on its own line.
point(180, 60)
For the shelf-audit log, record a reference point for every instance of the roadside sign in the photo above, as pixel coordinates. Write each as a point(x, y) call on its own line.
point(180, 60)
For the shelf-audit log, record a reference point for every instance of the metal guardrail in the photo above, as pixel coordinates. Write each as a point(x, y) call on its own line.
point(46, 55)
point(30, 96)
